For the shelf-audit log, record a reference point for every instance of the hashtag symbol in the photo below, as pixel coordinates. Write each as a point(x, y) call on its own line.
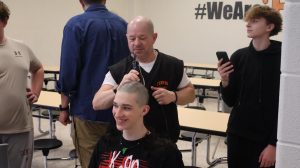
point(200, 11)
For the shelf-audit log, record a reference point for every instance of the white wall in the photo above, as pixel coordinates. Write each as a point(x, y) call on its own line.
point(288, 146)
point(40, 23)
point(181, 35)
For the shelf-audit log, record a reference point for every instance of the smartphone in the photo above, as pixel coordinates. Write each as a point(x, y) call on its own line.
point(222, 55)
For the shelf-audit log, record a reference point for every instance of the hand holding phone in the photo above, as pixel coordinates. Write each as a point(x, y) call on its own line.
point(224, 71)
point(222, 55)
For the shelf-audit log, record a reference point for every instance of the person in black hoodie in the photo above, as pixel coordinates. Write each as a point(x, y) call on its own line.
point(134, 145)
point(250, 83)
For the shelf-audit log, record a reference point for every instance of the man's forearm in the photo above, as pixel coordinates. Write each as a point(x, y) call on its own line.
point(37, 79)
point(103, 99)
point(64, 100)
point(186, 95)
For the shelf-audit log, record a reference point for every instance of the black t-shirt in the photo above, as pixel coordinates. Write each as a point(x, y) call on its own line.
point(147, 152)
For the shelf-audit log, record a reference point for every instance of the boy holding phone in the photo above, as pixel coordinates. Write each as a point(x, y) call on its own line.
point(250, 84)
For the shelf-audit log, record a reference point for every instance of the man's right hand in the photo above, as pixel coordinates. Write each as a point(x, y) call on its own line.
point(64, 118)
point(224, 71)
point(133, 75)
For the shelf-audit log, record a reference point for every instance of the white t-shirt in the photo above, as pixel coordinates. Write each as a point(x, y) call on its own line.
point(109, 80)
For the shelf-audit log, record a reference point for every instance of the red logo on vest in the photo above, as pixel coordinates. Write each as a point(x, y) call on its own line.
point(162, 84)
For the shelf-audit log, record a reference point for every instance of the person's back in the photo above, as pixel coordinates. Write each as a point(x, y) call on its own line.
point(92, 41)
point(96, 39)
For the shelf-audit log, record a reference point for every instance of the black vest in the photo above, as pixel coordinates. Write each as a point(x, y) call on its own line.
point(167, 73)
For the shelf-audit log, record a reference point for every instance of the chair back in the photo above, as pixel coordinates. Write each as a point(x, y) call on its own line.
point(3, 155)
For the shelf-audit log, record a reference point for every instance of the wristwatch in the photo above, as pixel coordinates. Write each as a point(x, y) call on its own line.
point(63, 108)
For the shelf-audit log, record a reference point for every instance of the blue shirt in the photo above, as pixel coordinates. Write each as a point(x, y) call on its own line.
point(92, 41)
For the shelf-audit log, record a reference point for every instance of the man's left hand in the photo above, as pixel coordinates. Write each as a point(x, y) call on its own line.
point(268, 156)
point(163, 96)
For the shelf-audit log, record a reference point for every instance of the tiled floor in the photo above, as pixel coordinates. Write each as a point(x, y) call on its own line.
point(63, 133)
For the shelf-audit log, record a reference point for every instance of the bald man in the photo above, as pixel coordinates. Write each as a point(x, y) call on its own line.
point(161, 74)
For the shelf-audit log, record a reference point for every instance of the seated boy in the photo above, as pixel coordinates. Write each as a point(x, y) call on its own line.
point(134, 146)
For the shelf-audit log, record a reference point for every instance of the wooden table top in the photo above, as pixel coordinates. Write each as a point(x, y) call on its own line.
point(51, 69)
point(210, 122)
point(49, 100)
point(202, 82)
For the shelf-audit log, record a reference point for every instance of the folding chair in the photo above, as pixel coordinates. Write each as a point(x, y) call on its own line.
point(3, 155)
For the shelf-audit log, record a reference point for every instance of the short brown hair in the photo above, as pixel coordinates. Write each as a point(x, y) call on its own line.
point(138, 89)
point(4, 12)
point(271, 15)
point(93, 1)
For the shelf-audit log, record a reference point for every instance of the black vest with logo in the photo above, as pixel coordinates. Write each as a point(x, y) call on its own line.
point(167, 73)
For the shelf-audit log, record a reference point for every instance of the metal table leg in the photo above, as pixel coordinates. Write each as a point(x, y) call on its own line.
point(213, 163)
point(194, 150)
